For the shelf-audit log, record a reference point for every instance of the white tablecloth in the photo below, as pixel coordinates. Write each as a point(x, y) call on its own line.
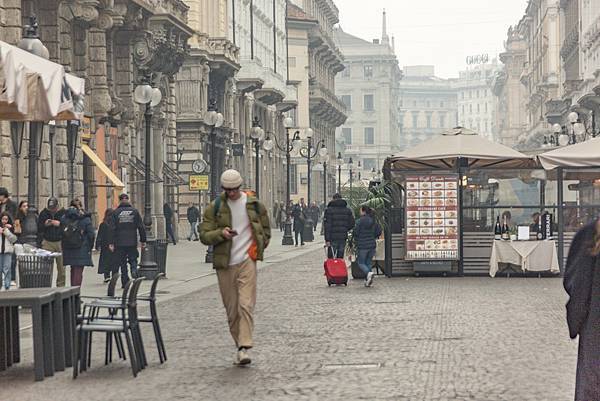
point(530, 255)
point(380, 250)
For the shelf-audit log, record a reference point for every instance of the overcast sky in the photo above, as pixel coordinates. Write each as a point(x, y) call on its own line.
point(438, 32)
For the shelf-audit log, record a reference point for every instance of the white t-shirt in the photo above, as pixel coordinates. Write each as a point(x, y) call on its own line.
point(240, 223)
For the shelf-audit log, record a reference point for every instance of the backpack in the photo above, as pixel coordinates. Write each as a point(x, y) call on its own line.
point(72, 235)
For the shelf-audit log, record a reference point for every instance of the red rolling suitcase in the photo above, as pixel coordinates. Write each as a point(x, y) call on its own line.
point(336, 271)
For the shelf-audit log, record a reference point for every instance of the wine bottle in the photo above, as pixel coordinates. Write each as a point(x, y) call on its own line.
point(498, 229)
point(540, 231)
point(505, 232)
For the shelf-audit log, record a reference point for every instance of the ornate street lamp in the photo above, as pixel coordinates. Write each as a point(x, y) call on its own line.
point(310, 152)
point(350, 166)
point(215, 120)
point(257, 134)
point(145, 94)
point(340, 163)
point(16, 136)
point(72, 138)
point(32, 44)
point(288, 123)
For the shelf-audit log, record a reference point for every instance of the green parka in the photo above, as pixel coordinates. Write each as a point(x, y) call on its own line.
point(211, 229)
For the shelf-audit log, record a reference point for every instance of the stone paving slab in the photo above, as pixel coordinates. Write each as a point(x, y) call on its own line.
point(403, 339)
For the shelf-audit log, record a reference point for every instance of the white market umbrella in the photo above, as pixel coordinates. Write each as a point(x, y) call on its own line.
point(583, 154)
point(442, 151)
point(36, 89)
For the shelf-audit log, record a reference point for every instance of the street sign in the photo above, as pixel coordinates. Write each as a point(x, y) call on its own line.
point(237, 149)
point(199, 166)
point(199, 182)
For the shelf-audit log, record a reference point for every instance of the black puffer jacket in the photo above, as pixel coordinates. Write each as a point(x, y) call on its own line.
point(366, 232)
point(338, 220)
point(50, 233)
point(126, 221)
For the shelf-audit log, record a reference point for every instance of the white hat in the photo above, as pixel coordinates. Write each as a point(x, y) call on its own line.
point(231, 179)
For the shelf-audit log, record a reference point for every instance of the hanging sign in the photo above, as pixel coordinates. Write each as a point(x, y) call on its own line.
point(199, 182)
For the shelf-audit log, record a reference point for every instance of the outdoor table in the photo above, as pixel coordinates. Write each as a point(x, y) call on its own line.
point(379, 256)
point(53, 313)
point(534, 256)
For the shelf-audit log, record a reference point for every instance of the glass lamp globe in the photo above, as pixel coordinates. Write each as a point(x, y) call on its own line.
point(219, 120)
point(156, 97)
point(323, 152)
point(556, 128)
point(563, 140)
point(211, 117)
point(573, 117)
point(268, 144)
point(309, 132)
point(143, 94)
point(288, 122)
point(578, 128)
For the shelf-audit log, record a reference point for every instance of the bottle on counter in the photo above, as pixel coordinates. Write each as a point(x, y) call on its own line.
point(498, 229)
point(505, 234)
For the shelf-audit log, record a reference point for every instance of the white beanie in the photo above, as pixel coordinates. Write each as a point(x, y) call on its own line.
point(231, 179)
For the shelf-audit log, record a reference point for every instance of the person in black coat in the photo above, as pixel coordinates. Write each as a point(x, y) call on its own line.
point(338, 220)
point(127, 224)
point(6, 204)
point(108, 263)
point(299, 215)
point(582, 283)
point(168, 213)
point(193, 217)
point(365, 236)
point(77, 257)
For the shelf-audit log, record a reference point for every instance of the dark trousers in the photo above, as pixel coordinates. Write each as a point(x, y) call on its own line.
point(13, 268)
point(337, 249)
point(170, 233)
point(76, 275)
point(127, 254)
point(301, 234)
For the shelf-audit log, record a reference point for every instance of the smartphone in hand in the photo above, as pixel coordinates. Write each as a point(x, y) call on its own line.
point(233, 232)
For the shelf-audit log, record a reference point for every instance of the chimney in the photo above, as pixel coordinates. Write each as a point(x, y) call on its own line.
point(375, 41)
point(385, 39)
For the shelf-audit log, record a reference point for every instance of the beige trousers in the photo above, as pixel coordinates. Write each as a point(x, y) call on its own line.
point(238, 291)
point(54, 246)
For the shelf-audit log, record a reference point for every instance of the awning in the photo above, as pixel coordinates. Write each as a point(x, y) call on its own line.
point(442, 152)
point(583, 154)
point(35, 89)
point(103, 167)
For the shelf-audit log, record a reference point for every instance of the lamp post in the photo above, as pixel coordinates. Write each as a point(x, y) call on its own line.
point(146, 95)
point(573, 117)
point(288, 238)
point(319, 150)
point(214, 119)
point(340, 162)
point(16, 136)
point(72, 137)
point(32, 44)
point(350, 165)
point(257, 134)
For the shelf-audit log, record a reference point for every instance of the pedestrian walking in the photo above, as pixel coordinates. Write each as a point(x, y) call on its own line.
point(193, 216)
point(237, 226)
point(7, 250)
point(50, 232)
point(338, 221)
point(168, 213)
point(108, 265)
point(365, 236)
point(127, 225)
point(77, 241)
point(315, 215)
point(281, 217)
point(582, 283)
point(299, 215)
point(6, 204)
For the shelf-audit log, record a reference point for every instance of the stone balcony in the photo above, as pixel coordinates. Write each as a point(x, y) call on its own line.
point(268, 87)
point(326, 105)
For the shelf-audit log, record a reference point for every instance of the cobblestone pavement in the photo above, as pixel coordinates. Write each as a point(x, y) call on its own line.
point(402, 339)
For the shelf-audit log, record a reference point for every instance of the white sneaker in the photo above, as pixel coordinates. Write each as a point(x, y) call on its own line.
point(242, 357)
point(13, 283)
point(369, 281)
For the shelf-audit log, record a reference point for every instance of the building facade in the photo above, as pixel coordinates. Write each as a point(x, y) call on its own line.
point(476, 102)
point(314, 60)
point(428, 106)
point(368, 87)
point(112, 45)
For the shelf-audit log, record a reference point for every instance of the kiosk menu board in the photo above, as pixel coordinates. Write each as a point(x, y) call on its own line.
point(432, 217)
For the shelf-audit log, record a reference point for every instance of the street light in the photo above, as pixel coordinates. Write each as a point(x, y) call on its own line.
point(340, 163)
point(288, 238)
point(257, 134)
point(145, 94)
point(573, 118)
point(72, 137)
point(214, 119)
point(350, 166)
point(319, 150)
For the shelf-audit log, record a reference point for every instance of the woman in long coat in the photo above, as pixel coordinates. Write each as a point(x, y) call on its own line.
point(582, 283)
point(79, 257)
point(108, 263)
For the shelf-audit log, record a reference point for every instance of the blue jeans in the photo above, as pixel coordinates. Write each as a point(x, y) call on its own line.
point(337, 249)
point(5, 264)
point(193, 231)
point(365, 259)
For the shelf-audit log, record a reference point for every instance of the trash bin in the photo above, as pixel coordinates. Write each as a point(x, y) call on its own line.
point(160, 255)
point(35, 271)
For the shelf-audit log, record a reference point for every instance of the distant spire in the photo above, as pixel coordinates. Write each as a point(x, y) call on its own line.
point(393, 44)
point(385, 39)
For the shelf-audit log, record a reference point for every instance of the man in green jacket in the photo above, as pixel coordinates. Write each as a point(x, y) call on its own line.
point(236, 224)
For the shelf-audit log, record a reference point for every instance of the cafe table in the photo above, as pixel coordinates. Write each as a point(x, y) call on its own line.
point(532, 256)
point(53, 312)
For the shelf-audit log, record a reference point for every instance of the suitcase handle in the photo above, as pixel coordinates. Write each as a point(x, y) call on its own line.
point(333, 252)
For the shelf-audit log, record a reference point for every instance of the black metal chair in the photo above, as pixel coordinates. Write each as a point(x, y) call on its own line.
point(153, 318)
point(127, 325)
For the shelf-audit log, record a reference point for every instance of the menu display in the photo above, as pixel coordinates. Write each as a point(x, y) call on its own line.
point(432, 217)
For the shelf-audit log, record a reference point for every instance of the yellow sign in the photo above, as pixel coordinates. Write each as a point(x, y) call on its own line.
point(199, 182)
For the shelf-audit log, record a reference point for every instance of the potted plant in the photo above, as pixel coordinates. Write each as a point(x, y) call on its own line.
point(378, 199)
